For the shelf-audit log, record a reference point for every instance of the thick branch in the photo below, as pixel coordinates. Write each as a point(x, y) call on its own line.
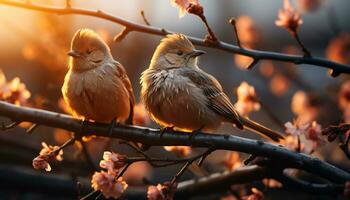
point(151, 137)
point(61, 185)
point(260, 55)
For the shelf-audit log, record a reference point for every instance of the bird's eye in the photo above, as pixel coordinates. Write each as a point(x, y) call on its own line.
point(179, 52)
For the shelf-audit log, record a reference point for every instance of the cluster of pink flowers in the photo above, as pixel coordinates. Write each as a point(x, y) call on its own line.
point(163, 191)
point(310, 131)
point(289, 18)
point(247, 100)
point(47, 154)
point(13, 91)
point(108, 182)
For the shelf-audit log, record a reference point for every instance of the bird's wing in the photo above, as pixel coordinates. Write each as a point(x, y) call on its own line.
point(127, 84)
point(218, 100)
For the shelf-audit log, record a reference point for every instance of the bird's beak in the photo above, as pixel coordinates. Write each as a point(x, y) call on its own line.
point(196, 53)
point(74, 54)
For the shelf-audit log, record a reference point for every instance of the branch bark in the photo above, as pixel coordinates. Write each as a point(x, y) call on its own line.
point(337, 68)
point(152, 137)
point(62, 185)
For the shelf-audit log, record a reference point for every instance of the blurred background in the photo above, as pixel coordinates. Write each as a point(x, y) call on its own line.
point(33, 60)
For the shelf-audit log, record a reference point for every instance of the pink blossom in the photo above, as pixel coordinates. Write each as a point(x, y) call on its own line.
point(154, 192)
point(13, 91)
point(112, 161)
point(47, 154)
point(296, 128)
point(183, 5)
point(314, 133)
point(288, 18)
point(51, 151)
point(161, 191)
point(41, 163)
point(106, 183)
point(247, 100)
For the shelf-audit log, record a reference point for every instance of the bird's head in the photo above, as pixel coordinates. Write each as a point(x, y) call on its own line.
point(88, 50)
point(175, 50)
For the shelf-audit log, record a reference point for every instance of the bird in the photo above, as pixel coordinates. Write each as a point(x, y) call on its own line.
point(181, 96)
point(97, 87)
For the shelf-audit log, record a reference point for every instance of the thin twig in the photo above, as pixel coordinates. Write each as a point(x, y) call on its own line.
point(263, 55)
point(122, 34)
point(68, 3)
point(204, 156)
point(299, 144)
point(182, 170)
point(232, 21)
point(144, 18)
point(253, 63)
point(32, 128)
point(90, 195)
point(5, 127)
point(249, 159)
point(66, 144)
point(295, 35)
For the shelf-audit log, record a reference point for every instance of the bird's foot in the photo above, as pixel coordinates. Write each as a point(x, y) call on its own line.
point(82, 125)
point(194, 133)
point(165, 129)
point(113, 124)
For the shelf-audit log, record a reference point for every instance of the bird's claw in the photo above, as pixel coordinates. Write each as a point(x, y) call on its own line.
point(165, 129)
point(113, 124)
point(194, 133)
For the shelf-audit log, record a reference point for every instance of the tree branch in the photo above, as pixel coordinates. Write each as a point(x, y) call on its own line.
point(62, 185)
point(260, 55)
point(152, 137)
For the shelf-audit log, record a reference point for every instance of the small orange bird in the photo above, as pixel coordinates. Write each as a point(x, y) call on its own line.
point(96, 86)
point(178, 94)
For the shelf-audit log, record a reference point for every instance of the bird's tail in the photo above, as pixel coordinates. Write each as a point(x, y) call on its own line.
point(260, 129)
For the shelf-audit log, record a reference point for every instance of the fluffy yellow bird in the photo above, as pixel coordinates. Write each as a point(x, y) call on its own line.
point(97, 87)
point(178, 94)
